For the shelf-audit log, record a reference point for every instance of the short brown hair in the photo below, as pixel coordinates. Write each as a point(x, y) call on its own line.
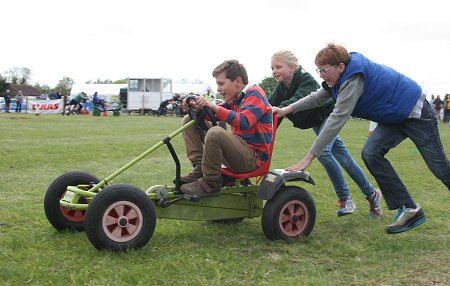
point(232, 70)
point(333, 54)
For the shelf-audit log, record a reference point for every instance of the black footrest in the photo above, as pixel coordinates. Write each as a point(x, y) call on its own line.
point(192, 198)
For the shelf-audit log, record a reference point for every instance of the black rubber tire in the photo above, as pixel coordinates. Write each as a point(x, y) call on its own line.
point(119, 218)
point(96, 112)
point(59, 217)
point(291, 213)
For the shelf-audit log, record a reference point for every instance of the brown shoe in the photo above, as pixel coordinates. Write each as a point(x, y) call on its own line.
point(192, 176)
point(201, 188)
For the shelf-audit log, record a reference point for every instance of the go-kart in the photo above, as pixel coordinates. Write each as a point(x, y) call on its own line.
point(120, 217)
point(100, 107)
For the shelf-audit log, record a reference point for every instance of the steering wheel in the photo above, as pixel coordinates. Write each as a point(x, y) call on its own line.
point(201, 116)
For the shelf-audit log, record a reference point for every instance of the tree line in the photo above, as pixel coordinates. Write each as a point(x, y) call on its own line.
point(22, 75)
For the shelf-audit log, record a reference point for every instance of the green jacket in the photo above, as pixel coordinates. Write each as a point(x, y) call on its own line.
point(79, 97)
point(302, 85)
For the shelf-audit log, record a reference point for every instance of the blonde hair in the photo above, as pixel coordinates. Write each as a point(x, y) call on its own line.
point(333, 54)
point(285, 56)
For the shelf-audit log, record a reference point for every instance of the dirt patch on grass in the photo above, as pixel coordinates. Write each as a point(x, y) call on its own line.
point(12, 117)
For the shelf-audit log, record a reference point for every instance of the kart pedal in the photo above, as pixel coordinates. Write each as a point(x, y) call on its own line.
point(192, 198)
point(164, 203)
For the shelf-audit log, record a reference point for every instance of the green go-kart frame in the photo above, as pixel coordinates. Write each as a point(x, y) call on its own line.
point(120, 217)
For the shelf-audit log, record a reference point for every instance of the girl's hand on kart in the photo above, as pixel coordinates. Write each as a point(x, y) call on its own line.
point(276, 110)
point(282, 111)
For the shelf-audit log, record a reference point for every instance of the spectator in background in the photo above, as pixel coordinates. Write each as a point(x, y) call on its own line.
point(208, 95)
point(76, 102)
point(65, 98)
point(447, 108)
point(19, 100)
point(7, 100)
point(162, 110)
point(438, 103)
point(98, 102)
point(177, 105)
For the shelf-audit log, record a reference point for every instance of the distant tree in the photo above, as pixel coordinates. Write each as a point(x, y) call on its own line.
point(42, 88)
point(3, 84)
point(268, 84)
point(120, 81)
point(64, 85)
point(197, 81)
point(18, 75)
point(187, 80)
point(99, 81)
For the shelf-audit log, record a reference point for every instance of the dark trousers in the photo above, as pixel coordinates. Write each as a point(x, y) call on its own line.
point(424, 133)
point(19, 107)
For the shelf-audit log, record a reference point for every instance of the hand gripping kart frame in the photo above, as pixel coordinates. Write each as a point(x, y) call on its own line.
point(120, 217)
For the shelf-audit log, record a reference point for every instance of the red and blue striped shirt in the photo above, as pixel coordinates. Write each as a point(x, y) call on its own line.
point(250, 117)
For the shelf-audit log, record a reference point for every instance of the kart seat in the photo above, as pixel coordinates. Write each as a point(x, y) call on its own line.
point(264, 168)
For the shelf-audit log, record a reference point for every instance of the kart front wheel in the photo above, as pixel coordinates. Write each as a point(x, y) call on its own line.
point(119, 218)
point(291, 213)
point(60, 217)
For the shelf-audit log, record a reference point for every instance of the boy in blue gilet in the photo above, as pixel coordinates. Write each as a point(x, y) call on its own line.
point(364, 89)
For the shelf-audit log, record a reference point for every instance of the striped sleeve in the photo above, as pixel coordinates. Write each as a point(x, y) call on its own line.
point(250, 117)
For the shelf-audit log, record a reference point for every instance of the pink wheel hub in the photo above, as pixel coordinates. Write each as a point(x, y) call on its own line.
point(72, 215)
point(293, 218)
point(122, 221)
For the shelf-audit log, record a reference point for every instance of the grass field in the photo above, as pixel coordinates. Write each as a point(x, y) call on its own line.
point(351, 250)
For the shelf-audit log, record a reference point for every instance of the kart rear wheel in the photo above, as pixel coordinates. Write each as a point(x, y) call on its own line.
point(119, 218)
point(291, 213)
point(60, 217)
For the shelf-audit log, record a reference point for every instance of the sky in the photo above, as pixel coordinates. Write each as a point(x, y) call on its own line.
point(181, 39)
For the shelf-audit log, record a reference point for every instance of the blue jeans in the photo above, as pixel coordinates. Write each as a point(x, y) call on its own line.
point(336, 152)
point(424, 133)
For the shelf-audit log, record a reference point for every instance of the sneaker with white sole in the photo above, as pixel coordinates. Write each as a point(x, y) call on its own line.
point(374, 205)
point(346, 206)
point(406, 219)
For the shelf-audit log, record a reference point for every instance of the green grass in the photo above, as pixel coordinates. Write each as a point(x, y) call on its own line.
point(351, 250)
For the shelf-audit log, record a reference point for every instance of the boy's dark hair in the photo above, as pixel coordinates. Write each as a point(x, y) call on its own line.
point(232, 70)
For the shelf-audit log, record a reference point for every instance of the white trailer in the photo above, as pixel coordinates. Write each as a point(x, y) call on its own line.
point(144, 95)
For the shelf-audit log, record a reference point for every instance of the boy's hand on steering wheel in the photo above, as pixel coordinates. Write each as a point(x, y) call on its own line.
point(204, 102)
point(189, 103)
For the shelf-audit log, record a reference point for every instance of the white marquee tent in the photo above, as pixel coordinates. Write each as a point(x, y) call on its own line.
point(198, 88)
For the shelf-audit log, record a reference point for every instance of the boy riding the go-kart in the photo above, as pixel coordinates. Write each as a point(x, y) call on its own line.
point(248, 111)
